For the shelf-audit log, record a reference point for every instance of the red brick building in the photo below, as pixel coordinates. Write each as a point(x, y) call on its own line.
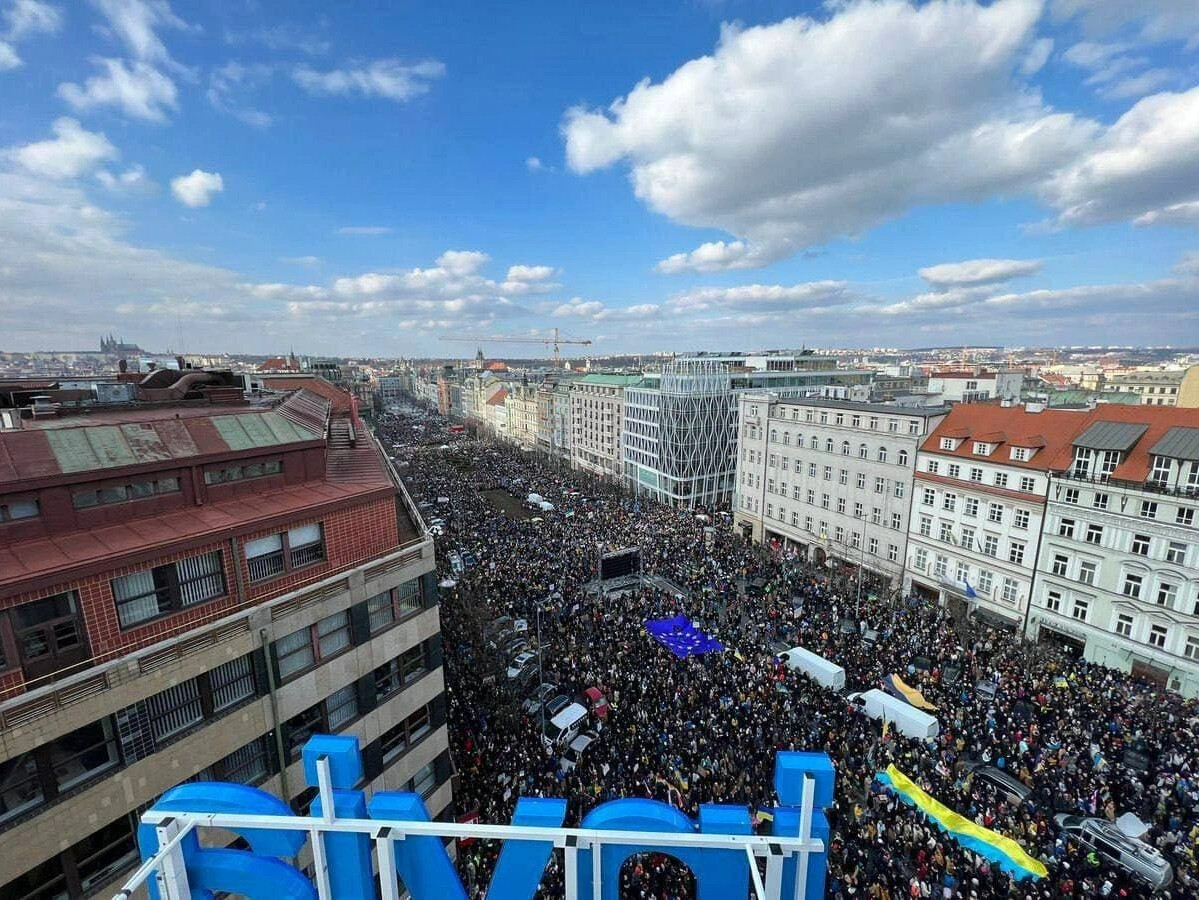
point(190, 589)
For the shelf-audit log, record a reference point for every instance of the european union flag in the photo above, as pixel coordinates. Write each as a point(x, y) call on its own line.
point(681, 637)
point(970, 591)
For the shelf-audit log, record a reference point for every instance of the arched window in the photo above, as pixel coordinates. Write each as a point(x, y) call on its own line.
point(845, 448)
point(863, 453)
point(828, 445)
point(882, 454)
point(786, 439)
point(815, 442)
point(774, 435)
point(903, 457)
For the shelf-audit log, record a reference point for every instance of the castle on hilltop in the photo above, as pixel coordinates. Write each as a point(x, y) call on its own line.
point(109, 344)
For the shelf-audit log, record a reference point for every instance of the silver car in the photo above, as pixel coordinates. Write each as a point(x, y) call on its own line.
point(1135, 857)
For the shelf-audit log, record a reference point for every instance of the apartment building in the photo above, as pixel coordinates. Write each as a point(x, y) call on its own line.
point(553, 417)
point(975, 385)
point(1154, 387)
point(521, 404)
point(188, 590)
point(596, 421)
point(1118, 573)
point(981, 482)
point(829, 477)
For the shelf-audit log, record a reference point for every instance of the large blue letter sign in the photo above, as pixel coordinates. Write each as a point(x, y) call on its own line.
point(423, 863)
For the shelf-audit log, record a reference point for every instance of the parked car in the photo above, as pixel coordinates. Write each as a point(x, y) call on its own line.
point(1135, 857)
point(1006, 784)
point(577, 748)
point(541, 696)
point(520, 663)
point(556, 705)
point(597, 703)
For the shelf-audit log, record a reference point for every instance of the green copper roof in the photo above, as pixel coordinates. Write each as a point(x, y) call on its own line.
point(244, 432)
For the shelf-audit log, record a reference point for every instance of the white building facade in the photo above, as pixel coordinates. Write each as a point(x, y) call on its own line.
point(829, 478)
point(596, 422)
point(1118, 575)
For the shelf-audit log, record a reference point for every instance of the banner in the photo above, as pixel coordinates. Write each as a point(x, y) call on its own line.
point(897, 687)
point(991, 845)
point(680, 636)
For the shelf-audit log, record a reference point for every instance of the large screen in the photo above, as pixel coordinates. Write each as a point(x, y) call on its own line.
point(620, 563)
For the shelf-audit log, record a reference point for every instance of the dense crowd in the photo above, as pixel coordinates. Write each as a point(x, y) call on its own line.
point(706, 729)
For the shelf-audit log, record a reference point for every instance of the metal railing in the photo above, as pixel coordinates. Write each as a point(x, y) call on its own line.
point(168, 870)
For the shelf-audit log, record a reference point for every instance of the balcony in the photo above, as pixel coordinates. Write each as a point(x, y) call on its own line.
point(1144, 487)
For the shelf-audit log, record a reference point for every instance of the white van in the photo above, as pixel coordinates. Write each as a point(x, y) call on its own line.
point(564, 727)
point(822, 671)
point(905, 719)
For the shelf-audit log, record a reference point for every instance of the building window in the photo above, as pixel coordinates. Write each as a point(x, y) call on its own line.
point(1099, 501)
point(1028, 485)
point(1020, 454)
point(811, 497)
point(1160, 473)
point(933, 467)
point(1020, 518)
point(1157, 636)
point(425, 780)
point(1000, 479)
point(31, 779)
point(990, 545)
point(892, 552)
point(1015, 553)
point(811, 470)
point(824, 501)
point(15, 510)
point(941, 567)
point(840, 535)
point(902, 458)
point(963, 573)
point(855, 539)
point(876, 515)
point(948, 443)
point(926, 526)
point(1094, 534)
point(303, 649)
point(953, 470)
point(1082, 606)
point(882, 454)
point(1070, 495)
point(1061, 564)
point(981, 449)
point(159, 591)
point(227, 474)
point(861, 481)
point(976, 475)
point(863, 451)
point(994, 512)
point(986, 580)
point(1140, 545)
point(828, 445)
point(930, 497)
point(1167, 594)
point(1132, 585)
point(277, 553)
point(1053, 601)
point(122, 493)
point(1148, 509)
point(892, 425)
point(843, 476)
point(967, 537)
point(391, 606)
point(859, 511)
point(1185, 516)
point(873, 546)
point(971, 507)
point(1124, 625)
point(946, 533)
point(899, 490)
point(896, 520)
point(1176, 552)
point(1087, 572)
point(807, 523)
point(1011, 591)
point(828, 473)
point(396, 740)
point(1065, 528)
point(1191, 650)
point(920, 560)
point(845, 448)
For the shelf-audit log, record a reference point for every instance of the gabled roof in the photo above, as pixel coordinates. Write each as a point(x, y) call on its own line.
point(338, 398)
point(1106, 435)
point(498, 398)
point(1049, 430)
point(1178, 443)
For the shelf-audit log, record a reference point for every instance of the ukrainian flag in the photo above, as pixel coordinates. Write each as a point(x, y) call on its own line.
point(905, 692)
point(1003, 851)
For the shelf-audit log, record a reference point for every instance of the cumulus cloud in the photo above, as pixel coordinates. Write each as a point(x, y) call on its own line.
point(8, 57)
point(978, 271)
point(792, 134)
point(197, 188)
point(133, 180)
point(26, 17)
point(136, 23)
point(139, 90)
point(387, 78)
point(759, 297)
point(73, 151)
point(1152, 20)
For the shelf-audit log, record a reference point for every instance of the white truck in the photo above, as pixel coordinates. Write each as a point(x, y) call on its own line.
point(905, 719)
point(822, 671)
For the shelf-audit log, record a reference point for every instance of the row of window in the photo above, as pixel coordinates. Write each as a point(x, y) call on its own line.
point(1124, 624)
point(242, 472)
point(838, 534)
point(985, 543)
point(971, 505)
point(853, 420)
point(1147, 509)
point(882, 454)
point(15, 510)
point(123, 493)
point(984, 579)
point(1134, 585)
point(986, 448)
point(1027, 483)
point(876, 514)
point(880, 483)
point(1138, 544)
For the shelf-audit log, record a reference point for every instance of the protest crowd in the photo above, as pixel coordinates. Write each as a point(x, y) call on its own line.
point(705, 729)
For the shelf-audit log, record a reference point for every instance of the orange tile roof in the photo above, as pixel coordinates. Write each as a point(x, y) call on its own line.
point(498, 398)
point(337, 396)
point(1054, 431)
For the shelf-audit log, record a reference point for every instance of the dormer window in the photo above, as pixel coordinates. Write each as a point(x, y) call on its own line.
point(1081, 468)
point(948, 443)
point(1022, 454)
point(1160, 473)
point(982, 448)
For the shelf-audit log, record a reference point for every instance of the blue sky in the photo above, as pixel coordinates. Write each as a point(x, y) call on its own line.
point(360, 179)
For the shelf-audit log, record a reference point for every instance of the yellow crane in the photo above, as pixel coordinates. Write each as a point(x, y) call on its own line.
point(554, 342)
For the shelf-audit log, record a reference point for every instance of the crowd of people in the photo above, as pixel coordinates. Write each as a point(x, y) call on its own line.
point(706, 729)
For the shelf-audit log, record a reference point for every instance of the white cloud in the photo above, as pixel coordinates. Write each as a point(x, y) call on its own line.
point(760, 297)
point(133, 180)
point(1152, 20)
point(227, 84)
point(1174, 214)
point(135, 23)
point(301, 260)
point(1142, 165)
point(463, 262)
point(364, 229)
point(388, 78)
point(794, 133)
point(25, 17)
point(531, 273)
point(524, 279)
point(1037, 56)
point(1138, 85)
point(8, 57)
point(72, 151)
point(282, 37)
point(978, 271)
point(719, 256)
point(579, 307)
point(197, 188)
point(139, 90)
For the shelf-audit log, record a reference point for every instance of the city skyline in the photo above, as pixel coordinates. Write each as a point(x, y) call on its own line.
point(214, 176)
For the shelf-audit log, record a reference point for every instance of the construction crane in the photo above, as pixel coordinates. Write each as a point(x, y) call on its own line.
point(554, 342)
